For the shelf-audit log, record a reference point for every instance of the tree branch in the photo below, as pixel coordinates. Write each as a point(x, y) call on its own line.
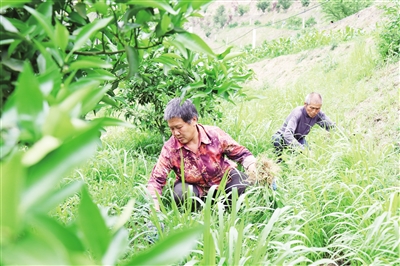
point(114, 52)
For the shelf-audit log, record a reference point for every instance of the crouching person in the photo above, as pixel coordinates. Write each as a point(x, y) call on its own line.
point(198, 154)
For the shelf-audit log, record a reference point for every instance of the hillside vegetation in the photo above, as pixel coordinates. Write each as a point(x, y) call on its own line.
point(336, 203)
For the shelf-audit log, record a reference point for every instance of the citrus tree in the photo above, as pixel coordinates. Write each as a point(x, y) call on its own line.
point(61, 60)
point(176, 71)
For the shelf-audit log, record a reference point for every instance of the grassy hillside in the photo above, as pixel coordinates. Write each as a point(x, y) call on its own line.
point(336, 205)
point(271, 24)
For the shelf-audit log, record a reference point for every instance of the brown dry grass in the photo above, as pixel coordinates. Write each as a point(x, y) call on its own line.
point(267, 171)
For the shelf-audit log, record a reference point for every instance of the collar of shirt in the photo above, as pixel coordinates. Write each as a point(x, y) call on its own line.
point(203, 138)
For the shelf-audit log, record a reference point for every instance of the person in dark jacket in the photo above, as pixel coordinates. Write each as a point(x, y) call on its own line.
point(298, 124)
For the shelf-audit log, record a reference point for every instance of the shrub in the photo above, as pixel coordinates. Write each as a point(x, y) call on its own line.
point(257, 22)
point(310, 22)
point(243, 9)
point(305, 3)
point(294, 22)
point(389, 37)
point(220, 16)
point(233, 25)
point(285, 4)
point(262, 5)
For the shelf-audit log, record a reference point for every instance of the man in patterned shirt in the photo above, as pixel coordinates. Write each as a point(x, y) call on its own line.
point(299, 123)
point(198, 154)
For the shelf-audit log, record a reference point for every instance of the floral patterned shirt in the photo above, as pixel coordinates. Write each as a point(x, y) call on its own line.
point(204, 169)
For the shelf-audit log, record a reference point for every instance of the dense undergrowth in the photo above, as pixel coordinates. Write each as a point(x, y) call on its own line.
point(337, 204)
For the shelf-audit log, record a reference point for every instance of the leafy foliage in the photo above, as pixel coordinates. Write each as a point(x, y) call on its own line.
point(181, 73)
point(59, 60)
point(389, 37)
point(294, 23)
point(284, 4)
point(305, 3)
point(220, 16)
point(336, 10)
point(310, 22)
point(262, 5)
point(243, 9)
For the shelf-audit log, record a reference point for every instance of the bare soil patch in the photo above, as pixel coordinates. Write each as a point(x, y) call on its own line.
point(285, 70)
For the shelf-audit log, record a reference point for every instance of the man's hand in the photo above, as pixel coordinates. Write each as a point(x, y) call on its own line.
point(252, 173)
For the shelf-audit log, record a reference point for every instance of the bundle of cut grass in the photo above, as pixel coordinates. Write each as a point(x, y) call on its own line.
point(267, 172)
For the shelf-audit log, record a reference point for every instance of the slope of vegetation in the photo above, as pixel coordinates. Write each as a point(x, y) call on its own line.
point(337, 204)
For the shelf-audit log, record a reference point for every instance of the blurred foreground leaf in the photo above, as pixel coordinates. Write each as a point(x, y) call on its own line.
point(170, 250)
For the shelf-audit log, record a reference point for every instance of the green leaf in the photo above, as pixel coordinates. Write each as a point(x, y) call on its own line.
point(77, 19)
point(125, 215)
point(12, 3)
point(46, 25)
point(87, 31)
point(89, 62)
point(163, 26)
point(29, 102)
point(93, 98)
point(100, 74)
point(12, 63)
point(109, 100)
point(197, 85)
point(48, 226)
point(50, 79)
point(112, 122)
point(160, 4)
point(35, 247)
point(62, 36)
point(95, 231)
point(117, 247)
point(46, 174)
point(167, 60)
point(58, 124)
point(12, 177)
point(133, 60)
point(180, 46)
point(143, 16)
point(40, 149)
point(81, 9)
point(57, 197)
point(7, 25)
point(196, 4)
point(77, 97)
point(170, 250)
point(101, 7)
point(194, 43)
point(223, 54)
point(232, 55)
point(9, 135)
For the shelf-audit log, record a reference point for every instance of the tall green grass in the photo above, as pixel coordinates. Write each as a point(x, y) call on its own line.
point(338, 204)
